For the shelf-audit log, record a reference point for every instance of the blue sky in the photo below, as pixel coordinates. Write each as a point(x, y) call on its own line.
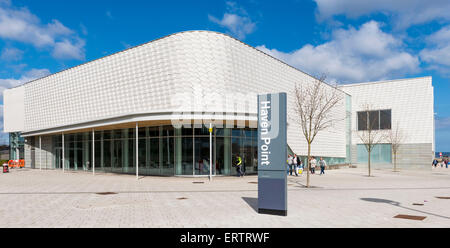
point(349, 40)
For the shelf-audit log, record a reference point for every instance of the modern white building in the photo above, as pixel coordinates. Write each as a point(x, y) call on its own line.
point(146, 109)
point(404, 104)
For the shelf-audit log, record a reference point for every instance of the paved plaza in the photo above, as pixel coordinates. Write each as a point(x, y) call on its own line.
point(341, 198)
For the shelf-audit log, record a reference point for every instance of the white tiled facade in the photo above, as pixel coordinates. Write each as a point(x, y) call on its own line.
point(203, 71)
point(410, 100)
point(165, 76)
point(412, 108)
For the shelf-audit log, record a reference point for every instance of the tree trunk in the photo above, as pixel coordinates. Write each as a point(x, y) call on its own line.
point(308, 167)
point(369, 163)
point(395, 161)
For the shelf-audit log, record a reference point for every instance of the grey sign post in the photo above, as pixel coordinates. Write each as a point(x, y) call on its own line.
point(272, 150)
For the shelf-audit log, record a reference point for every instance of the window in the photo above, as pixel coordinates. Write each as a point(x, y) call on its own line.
point(385, 119)
point(362, 121)
point(375, 119)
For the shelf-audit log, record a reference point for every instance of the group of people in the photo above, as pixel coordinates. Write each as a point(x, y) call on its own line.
point(443, 162)
point(295, 163)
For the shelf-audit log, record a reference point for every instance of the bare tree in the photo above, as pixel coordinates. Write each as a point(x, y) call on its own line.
point(395, 137)
point(314, 103)
point(370, 133)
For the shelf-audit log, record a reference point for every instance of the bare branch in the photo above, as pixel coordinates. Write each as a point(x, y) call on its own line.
point(314, 105)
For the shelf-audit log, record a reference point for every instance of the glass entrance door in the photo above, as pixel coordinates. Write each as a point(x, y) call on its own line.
point(202, 156)
point(58, 158)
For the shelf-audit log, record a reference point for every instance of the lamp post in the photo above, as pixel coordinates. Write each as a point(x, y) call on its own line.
point(210, 151)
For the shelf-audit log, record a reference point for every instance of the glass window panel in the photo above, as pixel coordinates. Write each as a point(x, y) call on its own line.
point(385, 119)
point(117, 134)
point(117, 156)
point(107, 134)
point(203, 131)
point(107, 155)
point(236, 132)
point(71, 153)
point(374, 120)
point(142, 132)
point(168, 156)
point(381, 153)
point(142, 154)
point(187, 159)
point(98, 153)
point(186, 131)
point(131, 133)
point(154, 156)
point(168, 131)
point(220, 132)
point(97, 135)
point(219, 156)
point(201, 156)
point(153, 132)
point(235, 150)
point(362, 121)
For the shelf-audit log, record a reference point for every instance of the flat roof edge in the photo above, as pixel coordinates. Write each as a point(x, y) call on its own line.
point(381, 81)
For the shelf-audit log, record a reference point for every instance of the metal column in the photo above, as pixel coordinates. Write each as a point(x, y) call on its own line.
point(93, 153)
point(137, 152)
point(210, 151)
point(63, 160)
point(40, 153)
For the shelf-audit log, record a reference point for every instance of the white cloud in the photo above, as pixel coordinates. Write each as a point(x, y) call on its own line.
point(437, 51)
point(23, 26)
point(11, 54)
point(236, 20)
point(353, 55)
point(10, 83)
point(26, 77)
point(67, 50)
point(405, 13)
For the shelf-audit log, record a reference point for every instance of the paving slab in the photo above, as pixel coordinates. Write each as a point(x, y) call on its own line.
point(340, 198)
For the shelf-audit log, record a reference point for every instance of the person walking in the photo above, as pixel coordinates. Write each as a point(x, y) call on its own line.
point(446, 163)
point(435, 162)
point(295, 161)
point(313, 164)
point(290, 163)
point(239, 166)
point(322, 165)
point(300, 165)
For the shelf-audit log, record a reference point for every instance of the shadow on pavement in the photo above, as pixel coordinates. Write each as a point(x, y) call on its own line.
point(252, 202)
point(397, 204)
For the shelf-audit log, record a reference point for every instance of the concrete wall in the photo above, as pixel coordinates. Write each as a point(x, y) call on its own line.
point(29, 150)
point(13, 110)
point(409, 156)
point(44, 162)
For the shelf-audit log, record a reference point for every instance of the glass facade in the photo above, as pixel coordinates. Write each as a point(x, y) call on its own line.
point(381, 153)
point(348, 128)
point(162, 150)
point(16, 146)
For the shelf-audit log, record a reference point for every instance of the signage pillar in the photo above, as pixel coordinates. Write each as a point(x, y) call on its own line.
point(272, 152)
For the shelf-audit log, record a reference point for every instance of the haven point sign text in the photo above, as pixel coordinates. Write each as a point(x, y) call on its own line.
point(272, 152)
